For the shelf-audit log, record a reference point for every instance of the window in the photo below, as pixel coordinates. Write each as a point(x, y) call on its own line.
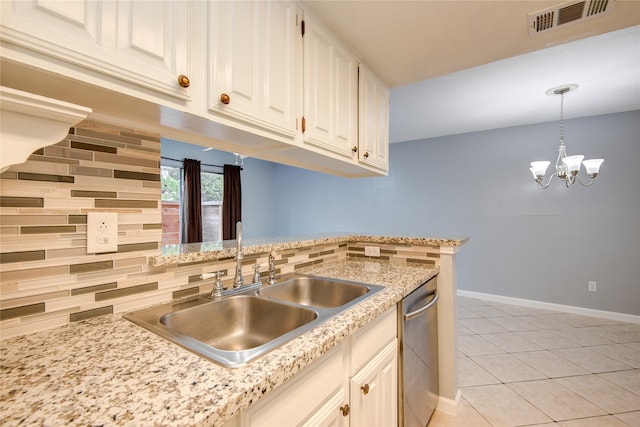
point(212, 189)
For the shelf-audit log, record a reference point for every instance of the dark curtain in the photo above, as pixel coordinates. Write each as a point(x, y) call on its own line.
point(191, 202)
point(232, 201)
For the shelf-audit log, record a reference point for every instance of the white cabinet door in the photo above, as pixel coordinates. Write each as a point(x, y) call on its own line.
point(373, 137)
point(332, 414)
point(144, 43)
point(252, 73)
point(374, 390)
point(330, 92)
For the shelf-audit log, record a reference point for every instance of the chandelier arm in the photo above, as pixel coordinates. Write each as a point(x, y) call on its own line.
point(545, 186)
point(585, 184)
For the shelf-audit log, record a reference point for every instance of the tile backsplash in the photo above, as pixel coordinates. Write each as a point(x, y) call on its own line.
point(46, 276)
point(47, 279)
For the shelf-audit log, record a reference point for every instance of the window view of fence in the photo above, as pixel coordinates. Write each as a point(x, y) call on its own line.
point(211, 187)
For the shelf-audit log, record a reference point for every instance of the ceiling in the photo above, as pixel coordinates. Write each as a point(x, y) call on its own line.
point(462, 66)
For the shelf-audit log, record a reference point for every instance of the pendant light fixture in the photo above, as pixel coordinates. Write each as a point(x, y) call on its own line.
point(567, 167)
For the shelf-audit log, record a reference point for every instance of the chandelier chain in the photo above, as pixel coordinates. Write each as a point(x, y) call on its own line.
point(562, 118)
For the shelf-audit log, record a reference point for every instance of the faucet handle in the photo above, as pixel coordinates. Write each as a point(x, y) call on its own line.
point(256, 274)
point(218, 289)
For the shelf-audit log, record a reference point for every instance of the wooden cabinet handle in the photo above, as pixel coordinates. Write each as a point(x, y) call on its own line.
point(345, 410)
point(366, 155)
point(184, 81)
point(354, 149)
point(225, 99)
point(365, 389)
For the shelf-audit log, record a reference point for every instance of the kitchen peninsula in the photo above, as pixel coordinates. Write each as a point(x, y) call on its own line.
point(108, 371)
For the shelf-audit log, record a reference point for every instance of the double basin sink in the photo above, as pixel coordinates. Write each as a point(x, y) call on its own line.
point(236, 329)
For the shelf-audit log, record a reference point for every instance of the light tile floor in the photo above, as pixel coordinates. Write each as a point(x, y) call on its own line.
point(522, 366)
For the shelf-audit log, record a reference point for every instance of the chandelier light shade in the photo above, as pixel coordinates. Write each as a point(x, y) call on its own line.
point(567, 167)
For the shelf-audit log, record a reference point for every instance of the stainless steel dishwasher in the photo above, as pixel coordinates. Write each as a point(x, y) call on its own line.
point(418, 389)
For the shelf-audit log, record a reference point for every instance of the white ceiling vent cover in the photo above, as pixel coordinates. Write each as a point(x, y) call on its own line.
point(572, 11)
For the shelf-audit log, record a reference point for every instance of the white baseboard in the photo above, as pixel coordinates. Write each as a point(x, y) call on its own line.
point(450, 406)
point(611, 315)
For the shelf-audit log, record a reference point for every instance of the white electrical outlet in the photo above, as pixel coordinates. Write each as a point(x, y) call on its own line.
point(372, 251)
point(102, 232)
point(593, 286)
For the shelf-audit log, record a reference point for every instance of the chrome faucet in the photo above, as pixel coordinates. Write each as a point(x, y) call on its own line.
point(237, 280)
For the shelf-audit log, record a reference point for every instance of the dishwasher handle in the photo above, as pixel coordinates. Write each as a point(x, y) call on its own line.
point(424, 309)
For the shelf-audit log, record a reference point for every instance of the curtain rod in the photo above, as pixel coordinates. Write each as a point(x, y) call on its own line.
point(204, 164)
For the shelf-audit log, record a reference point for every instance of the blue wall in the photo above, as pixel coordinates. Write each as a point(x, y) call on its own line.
point(525, 242)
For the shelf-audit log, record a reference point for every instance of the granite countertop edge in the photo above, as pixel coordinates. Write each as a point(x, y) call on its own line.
point(108, 371)
point(177, 255)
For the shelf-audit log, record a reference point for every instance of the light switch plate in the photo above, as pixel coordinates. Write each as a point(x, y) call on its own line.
point(102, 232)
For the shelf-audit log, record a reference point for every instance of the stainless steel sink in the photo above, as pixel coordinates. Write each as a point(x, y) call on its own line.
point(235, 330)
point(315, 291)
point(239, 322)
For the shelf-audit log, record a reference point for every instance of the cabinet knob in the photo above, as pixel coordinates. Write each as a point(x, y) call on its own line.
point(366, 155)
point(183, 80)
point(354, 149)
point(365, 389)
point(345, 410)
point(225, 99)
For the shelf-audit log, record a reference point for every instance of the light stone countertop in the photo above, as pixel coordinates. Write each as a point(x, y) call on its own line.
point(108, 371)
point(174, 255)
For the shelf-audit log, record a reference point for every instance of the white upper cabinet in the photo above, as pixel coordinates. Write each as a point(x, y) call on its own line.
point(145, 43)
point(330, 92)
point(252, 68)
point(373, 135)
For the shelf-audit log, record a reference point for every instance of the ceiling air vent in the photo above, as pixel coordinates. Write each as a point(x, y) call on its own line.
point(564, 13)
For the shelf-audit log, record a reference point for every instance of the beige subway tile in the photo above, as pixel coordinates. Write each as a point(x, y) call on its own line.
point(95, 288)
point(90, 171)
point(24, 256)
point(118, 203)
point(33, 219)
point(128, 262)
point(109, 274)
point(34, 272)
point(88, 314)
point(119, 293)
point(138, 301)
point(121, 159)
point(123, 174)
point(47, 229)
point(151, 195)
point(74, 303)
point(42, 168)
point(7, 287)
point(9, 231)
point(69, 204)
point(21, 311)
point(90, 266)
point(87, 181)
point(137, 151)
point(136, 247)
point(21, 201)
point(94, 194)
point(28, 188)
point(66, 253)
point(10, 174)
point(40, 323)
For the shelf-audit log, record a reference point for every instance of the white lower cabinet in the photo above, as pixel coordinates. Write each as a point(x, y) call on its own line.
point(374, 390)
point(330, 392)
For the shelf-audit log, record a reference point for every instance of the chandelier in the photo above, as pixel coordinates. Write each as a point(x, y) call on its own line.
point(567, 167)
